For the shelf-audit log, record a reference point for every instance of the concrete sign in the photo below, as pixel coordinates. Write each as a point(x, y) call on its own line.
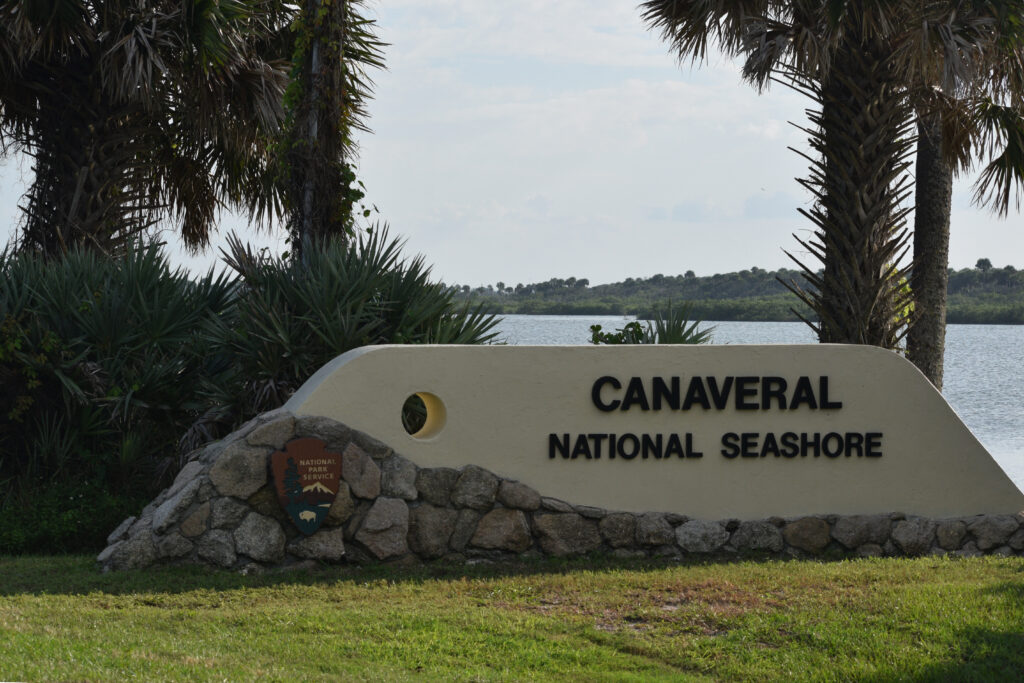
point(710, 432)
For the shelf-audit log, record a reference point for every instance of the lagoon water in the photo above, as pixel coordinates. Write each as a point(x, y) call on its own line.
point(984, 374)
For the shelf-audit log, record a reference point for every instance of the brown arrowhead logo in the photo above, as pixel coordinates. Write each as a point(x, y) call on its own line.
point(306, 478)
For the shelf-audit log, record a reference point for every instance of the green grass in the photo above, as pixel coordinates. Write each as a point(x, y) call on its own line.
point(923, 619)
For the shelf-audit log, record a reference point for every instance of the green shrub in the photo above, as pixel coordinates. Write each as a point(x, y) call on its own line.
point(674, 327)
point(98, 362)
point(290, 317)
point(111, 370)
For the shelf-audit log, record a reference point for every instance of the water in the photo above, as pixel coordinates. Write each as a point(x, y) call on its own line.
point(983, 380)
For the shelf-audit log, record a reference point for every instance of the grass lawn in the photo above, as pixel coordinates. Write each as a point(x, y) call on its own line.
point(883, 619)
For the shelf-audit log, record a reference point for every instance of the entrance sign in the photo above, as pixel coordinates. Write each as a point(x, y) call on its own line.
point(306, 479)
point(710, 432)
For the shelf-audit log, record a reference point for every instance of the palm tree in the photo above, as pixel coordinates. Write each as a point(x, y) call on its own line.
point(134, 111)
point(953, 132)
point(835, 54)
point(335, 46)
point(827, 50)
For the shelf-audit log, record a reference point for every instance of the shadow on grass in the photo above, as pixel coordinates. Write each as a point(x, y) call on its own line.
point(986, 655)
point(79, 575)
point(981, 655)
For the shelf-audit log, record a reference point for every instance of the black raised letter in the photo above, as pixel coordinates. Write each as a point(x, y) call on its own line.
point(595, 393)
point(560, 444)
point(668, 392)
point(731, 449)
point(823, 391)
point(635, 394)
point(773, 387)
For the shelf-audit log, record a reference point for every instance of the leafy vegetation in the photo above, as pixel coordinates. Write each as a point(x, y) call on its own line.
point(290, 318)
point(875, 73)
point(99, 366)
point(111, 371)
point(990, 295)
point(133, 112)
point(881, 619)
point(334, 47)
point(675, 327)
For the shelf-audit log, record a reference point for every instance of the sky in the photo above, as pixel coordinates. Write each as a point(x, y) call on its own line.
point(517, 142)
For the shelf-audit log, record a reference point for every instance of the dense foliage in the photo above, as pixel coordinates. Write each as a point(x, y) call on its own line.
point(977, 295)
point(137, 111)
point(335, 46)
point(674, 327)
point(110, 371)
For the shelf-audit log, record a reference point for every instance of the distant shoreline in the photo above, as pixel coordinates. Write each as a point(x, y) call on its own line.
point(990, 296)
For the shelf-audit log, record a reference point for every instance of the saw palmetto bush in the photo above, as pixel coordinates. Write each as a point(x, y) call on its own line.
point(99, 360)
point(112, 370)
point(675, 326)
point(293, 316)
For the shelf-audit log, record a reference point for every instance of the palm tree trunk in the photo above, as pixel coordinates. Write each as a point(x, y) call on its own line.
point(860, 184)
point(926, 340)
point(84, 164)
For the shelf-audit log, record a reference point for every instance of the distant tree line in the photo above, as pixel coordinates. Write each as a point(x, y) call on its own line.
point(983, 294)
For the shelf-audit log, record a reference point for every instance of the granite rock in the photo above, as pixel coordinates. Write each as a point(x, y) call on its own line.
point(856, 530)
point(991, 531)
point(914, 535)
point(514, 494)
point(619, 529)
point(172, 509)
point(809, 534)
point(135, 552)
point(327, 545)
point(760, 535)
point(217, 547)
point(360, 472)
point(240, 470)
point(950, 533)
point(227, 512)
point(503, 529)
point(398, 478)
point(121, 532)
point(173, 545)
point(385, 528)
point(275, 433)
point(567, 533)
point(699, 536)
point(465, 526)
point(260, 537)
point(195, 524)
point(334, 434)
point(342, 507)
point(475, 488)
point(430, 530)
point(652, 529)
point(436, 484)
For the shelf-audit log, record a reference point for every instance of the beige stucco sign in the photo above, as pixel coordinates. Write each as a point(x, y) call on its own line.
point(706, 431)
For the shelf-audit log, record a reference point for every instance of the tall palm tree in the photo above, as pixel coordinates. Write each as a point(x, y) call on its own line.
point(335, 45)
point(834, 53)
point(137, 110)
point(818, 46)
point(959, 124)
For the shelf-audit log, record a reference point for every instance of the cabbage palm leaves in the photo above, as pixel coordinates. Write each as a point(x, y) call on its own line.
point(132, 111)
point(869, 64)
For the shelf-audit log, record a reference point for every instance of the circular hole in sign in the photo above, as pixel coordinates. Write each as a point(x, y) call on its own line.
point(423, 415)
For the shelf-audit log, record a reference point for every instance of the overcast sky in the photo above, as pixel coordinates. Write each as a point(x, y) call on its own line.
point(521, 141)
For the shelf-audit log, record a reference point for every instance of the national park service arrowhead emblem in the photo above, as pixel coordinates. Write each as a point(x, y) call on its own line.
point(306, 478)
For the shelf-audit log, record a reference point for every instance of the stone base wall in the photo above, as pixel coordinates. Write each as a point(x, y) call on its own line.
point(222, 511)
